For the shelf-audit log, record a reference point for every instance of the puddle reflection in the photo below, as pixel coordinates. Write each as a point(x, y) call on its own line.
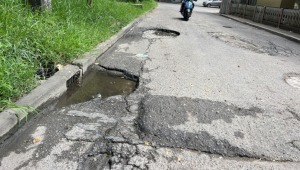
point(97, 83)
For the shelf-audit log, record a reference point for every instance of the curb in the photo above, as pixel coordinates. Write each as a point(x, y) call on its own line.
point(56, 85)
point(274, 31)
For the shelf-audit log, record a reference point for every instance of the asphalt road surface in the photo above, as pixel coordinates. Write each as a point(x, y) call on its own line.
point(213, 94)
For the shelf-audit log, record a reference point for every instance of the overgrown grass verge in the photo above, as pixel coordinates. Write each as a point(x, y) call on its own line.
point(29, 40)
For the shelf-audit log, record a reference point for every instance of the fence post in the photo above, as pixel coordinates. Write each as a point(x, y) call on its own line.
point(253, 18)
point(230, 7)
point(280, 17)
point(263, 15)
point(237, 8)
point(244, 11)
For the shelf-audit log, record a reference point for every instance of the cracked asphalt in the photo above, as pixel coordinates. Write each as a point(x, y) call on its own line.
point(216, 96)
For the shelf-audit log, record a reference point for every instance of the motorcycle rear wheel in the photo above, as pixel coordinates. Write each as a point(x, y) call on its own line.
point(186, 15)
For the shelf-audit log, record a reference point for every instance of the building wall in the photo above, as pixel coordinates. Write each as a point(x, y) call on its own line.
point(297, 4)
point(269, 3)
point(277, 3)
point(288, 4)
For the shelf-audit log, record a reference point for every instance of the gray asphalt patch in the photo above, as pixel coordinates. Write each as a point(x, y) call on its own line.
point(202, 141)
point(205, 110)
point(159, 113)
point(217, 128)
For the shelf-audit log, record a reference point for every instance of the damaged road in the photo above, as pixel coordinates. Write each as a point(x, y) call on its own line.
point(219, 128)
point(203, 101)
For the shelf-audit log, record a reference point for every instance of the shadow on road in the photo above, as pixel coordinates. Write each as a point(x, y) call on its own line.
point(180, 19)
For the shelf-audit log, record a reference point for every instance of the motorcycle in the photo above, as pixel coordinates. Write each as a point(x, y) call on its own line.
point(187, 10)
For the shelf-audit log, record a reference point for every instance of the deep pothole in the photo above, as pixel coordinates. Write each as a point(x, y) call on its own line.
point(97, 83)
point(293, 79)
point(160, 33)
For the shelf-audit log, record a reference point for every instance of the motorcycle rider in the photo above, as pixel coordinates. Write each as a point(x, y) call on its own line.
point(183, 5)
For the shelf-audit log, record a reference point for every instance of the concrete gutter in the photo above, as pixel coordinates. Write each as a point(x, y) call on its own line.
point(283, 33)
point(56, 85)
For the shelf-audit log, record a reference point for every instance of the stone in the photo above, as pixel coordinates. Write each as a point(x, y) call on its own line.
point(138, 161)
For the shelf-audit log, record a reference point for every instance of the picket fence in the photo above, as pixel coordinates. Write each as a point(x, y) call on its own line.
point(288, 19)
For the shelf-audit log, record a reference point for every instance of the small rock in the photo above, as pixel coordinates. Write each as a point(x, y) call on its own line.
point(133, 108)
point(117, 97)
point(138, 161)
point(59, 66)
point(117, 167)
point(136, 141)
point(128, 167)
point(144, 150)
point(124, 149)
point(147, 143)
point(99, 96)
point(37, 139)
point(115, 160)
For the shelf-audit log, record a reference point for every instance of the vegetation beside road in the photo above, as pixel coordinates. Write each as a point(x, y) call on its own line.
point(30, 40)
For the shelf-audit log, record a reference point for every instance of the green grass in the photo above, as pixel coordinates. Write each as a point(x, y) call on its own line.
point(30, 39)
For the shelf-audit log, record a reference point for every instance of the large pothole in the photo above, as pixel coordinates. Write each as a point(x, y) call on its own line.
point(97, 83)
point(160, 33)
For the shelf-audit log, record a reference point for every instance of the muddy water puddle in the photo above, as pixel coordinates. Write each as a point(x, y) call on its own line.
point(97, 84)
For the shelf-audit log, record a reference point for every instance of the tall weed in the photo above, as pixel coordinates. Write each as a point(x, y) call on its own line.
point(30, 39)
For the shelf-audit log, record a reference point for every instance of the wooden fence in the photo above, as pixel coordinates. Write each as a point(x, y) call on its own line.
point(288, 19)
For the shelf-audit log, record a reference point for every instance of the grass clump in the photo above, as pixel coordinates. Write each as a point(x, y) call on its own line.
point(30, 39)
